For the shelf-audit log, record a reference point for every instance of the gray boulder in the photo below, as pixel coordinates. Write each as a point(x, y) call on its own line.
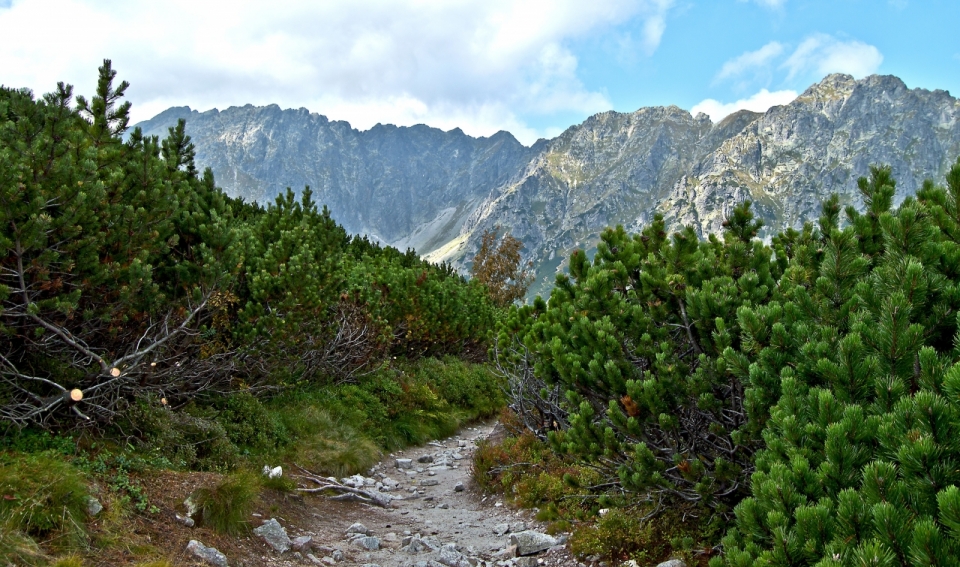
point(207, 554)
point(273, 533)
point(302, 543)
point(358, 528)
point(530, 542)
point(673, 563)
point(369, 543)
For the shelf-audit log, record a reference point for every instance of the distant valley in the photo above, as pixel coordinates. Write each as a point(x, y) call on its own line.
point(438, 191)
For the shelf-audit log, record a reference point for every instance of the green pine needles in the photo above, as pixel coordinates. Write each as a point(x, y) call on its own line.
point(805, 393)
point(127, 275)
point(862, 449)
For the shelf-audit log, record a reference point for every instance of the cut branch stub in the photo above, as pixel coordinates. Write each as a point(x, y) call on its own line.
point(76, 394)
point(114, 372)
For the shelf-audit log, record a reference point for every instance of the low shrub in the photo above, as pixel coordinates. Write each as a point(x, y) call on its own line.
point(470, 387)
point(248, 423)
point(190, 438)
point(622, 534)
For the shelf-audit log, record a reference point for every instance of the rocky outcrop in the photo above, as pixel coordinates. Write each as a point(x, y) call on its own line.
point(793, 157)
point(404, 186)
point(438, 191)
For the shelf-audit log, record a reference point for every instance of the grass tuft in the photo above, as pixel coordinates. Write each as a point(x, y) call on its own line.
point(18, 548)
point(227, 506)
point(68, 561)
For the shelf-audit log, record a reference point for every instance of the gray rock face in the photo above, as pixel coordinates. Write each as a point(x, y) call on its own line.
point(388, 182)
point(793, 157)
point(207, 554)
point(275, 535)
point(438, 191)
point(673, 563)
point(530, 542)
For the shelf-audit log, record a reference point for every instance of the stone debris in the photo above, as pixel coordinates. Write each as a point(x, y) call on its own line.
point(450, 557)
point(459, 487)
point(429, 482)
point(425, 459)
point(210, 555)
point(404, 464)
point(673, 563)
point(275, 535)
point(501, 529)
point(185, 520)
point(94, 506)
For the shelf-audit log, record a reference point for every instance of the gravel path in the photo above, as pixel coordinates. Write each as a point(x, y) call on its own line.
point(437, 519)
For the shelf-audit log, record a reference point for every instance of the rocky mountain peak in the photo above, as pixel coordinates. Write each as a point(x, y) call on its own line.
point(438, 191)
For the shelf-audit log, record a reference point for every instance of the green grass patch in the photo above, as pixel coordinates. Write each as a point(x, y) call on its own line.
point(226, 506)
point(41, 493)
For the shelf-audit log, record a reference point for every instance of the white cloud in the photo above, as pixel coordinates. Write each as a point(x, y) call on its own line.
point(750, 60)
point(822, 54)
point(481, 63)
point(759, 102)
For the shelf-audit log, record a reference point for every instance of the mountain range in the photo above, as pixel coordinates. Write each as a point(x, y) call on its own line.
point(438, 191)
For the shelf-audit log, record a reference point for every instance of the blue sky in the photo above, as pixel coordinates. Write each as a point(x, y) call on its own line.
point(532, 67)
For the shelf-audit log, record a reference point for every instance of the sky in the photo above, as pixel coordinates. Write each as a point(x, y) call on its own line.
point(531, 67)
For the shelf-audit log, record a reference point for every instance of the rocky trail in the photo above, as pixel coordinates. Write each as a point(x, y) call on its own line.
point(435, 517)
